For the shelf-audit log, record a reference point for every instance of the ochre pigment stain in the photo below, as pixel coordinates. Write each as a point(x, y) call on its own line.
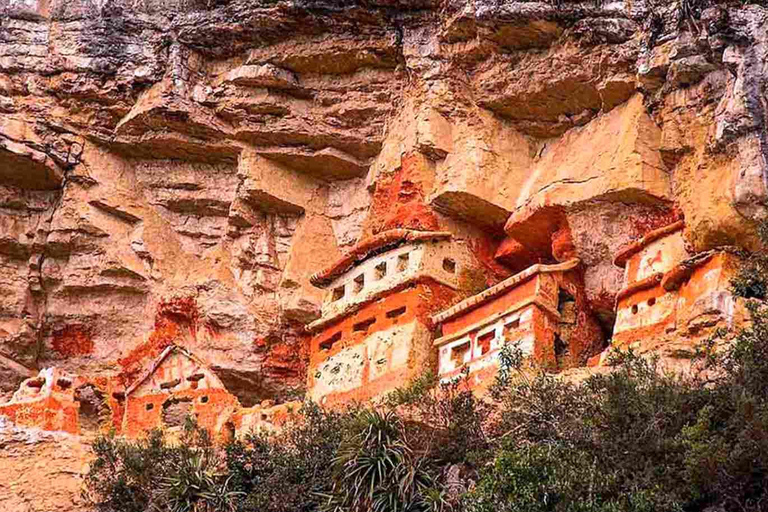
point(73, 340)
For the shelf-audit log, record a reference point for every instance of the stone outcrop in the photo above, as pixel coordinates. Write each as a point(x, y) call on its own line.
point(42, 471)
point(173, 172)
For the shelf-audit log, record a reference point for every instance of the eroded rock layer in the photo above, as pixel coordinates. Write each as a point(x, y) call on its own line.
point(174, 171)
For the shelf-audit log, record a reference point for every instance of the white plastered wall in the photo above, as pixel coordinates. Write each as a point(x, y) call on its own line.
point(474, 358)
point(445, 261)
point(176, 366)
point(383, 352)
point(659, 256)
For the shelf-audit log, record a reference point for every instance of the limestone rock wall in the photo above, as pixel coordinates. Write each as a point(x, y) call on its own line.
point(42, 471)
point(176, 169)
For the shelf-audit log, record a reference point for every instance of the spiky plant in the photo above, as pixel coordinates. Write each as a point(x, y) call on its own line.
point(376, 469)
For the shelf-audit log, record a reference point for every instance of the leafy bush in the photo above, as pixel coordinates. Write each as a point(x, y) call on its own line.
point(636, 439)
point(292, 471)
point(447, 421)
point(157, 474)
point(751, 281)
point(608, 443)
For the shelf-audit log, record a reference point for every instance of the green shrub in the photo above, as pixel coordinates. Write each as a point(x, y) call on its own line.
point(159, 475)
point(446, 421)
point(751, 280)
point(292, 471)
point(636, 439)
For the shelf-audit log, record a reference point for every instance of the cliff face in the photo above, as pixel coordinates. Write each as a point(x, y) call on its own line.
point(176, 169)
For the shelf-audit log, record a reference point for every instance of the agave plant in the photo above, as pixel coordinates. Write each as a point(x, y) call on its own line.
point(192, 485)
point(376, 470)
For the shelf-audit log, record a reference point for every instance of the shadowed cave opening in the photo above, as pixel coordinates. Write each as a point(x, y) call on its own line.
point(253, 387)
point(176, 411)
point(93, 408)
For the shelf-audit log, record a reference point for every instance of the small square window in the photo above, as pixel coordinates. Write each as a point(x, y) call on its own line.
point(394, 313)
point(449, 265)
point(484, 342)
point(459, 352)
point(402, 262)
point(510, 327)
point(170, 384)
point(327, 344)
point(337, 294)
point(364, 325)
point(359, 283)
point(380, 270)
point(36, 384)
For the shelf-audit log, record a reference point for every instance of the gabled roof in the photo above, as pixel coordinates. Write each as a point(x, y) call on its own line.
point(156, 364)
point(494, 291)
point(370, 247)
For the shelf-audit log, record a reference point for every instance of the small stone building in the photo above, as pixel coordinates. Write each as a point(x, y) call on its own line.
point(667, 290)
point(46, 401)
point(175, 386)
point(375, 332)
point(266, 417)
point(540, 309)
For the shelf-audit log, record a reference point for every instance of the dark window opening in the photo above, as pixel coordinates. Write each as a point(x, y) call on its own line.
point(194, 380)
point(652, 301)
point(170, 384)
point(449, 265)
point(561, 351)
point(359, 283)
point(380, 270)
point(364, 325)
point(560, 347)
point(203, 399)
point(459, 352)
point(484, 342)
point(93, 408)
point(564, 295)
point(394, 313)
point(64, 383)
point(337, 294)
point(176, 412)
point(402, 262)
point(634, 309)
point(327, 344)
point(36, 384)
point(566, 306)
point(150, 407)
point(263, 417)
point(511, 326)
point(230, 430)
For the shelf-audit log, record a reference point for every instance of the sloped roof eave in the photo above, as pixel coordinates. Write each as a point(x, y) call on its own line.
point(369, 247)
